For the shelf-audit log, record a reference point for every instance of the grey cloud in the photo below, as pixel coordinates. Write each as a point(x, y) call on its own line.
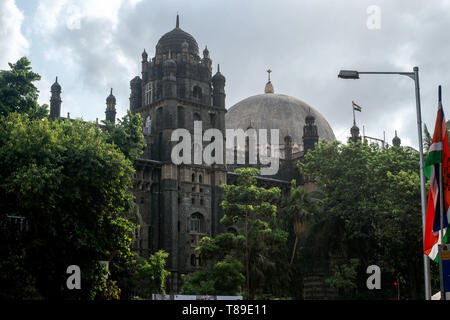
point(305, 43)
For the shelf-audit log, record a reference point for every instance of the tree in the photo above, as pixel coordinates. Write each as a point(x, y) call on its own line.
point(225, 278)
point(301, 207)
point(371, 207)
point(72, 188)
point(344, 277)
point(127, 135)
point(139, 277)
point(243, 204)
point(17, 91)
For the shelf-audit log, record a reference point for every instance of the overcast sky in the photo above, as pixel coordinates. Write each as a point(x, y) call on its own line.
point(95, 45)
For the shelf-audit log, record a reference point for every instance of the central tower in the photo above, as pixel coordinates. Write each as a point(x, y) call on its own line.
point(175, 89)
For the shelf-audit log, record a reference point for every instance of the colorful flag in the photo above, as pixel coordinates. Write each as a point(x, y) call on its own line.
point(437, 154)
point(356, 107)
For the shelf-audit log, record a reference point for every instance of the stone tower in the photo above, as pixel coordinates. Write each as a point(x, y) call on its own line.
point(55, 100)
point(396, 142)
point(176, 88)
point(310, 134)
point(111, 108)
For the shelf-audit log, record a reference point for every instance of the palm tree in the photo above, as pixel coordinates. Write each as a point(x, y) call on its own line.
point(301, 206)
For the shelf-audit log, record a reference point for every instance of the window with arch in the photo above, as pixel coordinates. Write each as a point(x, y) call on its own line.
point(200, 178)
point(196, 223)
point(148, 125)
point(197, 92)
point(193, 177)
point(193, 259)
point(148, 93)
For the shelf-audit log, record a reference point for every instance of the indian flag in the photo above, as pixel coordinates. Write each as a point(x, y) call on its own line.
point(356, 107)
point(437, 154)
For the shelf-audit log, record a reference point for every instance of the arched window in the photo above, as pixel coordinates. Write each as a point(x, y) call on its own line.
point(148, 125)
point(196, 223)
point(200, 178)
point(197, 92)
point(193, 259)
point(193, 177)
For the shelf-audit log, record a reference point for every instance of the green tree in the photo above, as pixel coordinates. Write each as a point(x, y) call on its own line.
point(344, 277)
point(301, 207)
point(371, 207)
point(224, 278)
point(17, 91)
point(139, 277)
point(73, 189)
point(244, 204)
point(127, 135)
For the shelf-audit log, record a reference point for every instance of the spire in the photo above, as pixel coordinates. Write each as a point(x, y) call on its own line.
point(218, 68)
point(55, 100)
point(178, 21)
point(396, 142)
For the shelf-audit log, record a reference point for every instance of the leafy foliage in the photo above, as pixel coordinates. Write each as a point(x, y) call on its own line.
point(371, 207)
point(17, 91)
point(249, 208)
point(140, 278)
point(127, 135)
point(73, 188)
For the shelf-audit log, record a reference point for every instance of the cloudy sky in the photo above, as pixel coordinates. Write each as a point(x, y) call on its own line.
point(95, 45)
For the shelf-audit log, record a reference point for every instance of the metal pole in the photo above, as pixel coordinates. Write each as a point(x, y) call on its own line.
point(426, 262)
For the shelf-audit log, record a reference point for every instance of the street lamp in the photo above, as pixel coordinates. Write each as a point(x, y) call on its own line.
point(353, 74)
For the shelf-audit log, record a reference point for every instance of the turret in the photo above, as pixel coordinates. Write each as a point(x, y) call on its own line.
point(355, 133)
point(218, 82)
point(396, 140)
point(310, 134)
point(136, 94)
point(111, 108)
point(55, 101)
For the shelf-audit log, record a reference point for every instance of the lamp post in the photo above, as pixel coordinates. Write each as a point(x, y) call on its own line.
point(352, 74)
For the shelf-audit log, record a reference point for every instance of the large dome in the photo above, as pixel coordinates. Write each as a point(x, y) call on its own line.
point(277, 111)
point(173, 40)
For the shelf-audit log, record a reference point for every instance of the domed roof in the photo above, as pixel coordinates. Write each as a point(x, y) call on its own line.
point(55, 86)
point(111, 99)
point(277, 111)
point(173, 40)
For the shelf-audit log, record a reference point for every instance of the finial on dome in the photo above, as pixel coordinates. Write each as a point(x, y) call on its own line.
point(178, 21)
point(269, 86)
point(218, 68)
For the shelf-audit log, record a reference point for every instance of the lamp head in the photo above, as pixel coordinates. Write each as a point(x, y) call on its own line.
point(348, 74)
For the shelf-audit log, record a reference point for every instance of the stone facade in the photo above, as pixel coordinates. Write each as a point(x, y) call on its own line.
point(179, 204)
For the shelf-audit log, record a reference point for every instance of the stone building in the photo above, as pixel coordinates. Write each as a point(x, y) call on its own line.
point(180, 204)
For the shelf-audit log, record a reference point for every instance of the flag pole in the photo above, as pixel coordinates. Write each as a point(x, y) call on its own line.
point(441, 190)
point(441, 213)
point(353, 109)
point(426, 260)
